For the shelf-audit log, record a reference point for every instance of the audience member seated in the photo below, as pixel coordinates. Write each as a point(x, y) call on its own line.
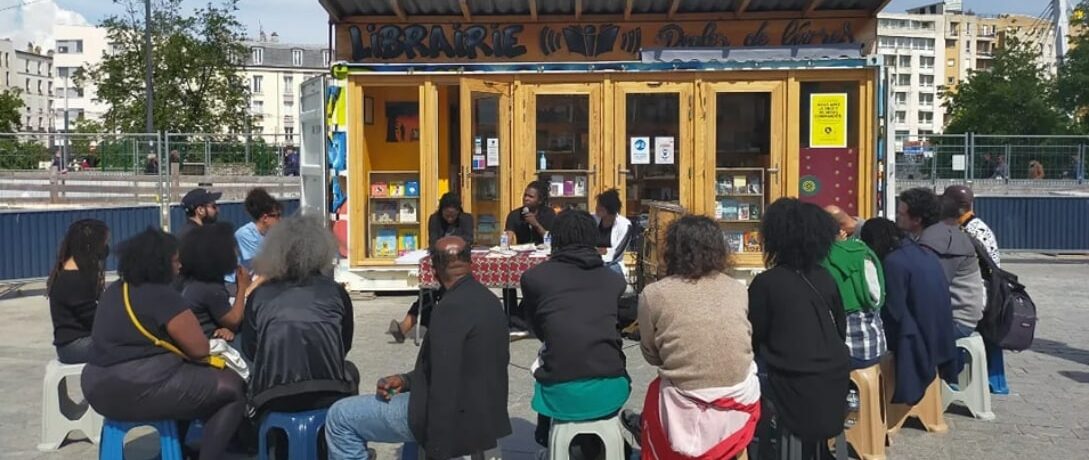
point(861, 283)
point(933, 224)
point(129, 378)
point(798, 326)
point(454, 402)
point(298, 322)
point(74, 287)
point(613, 229)
point(917, 316)
point(449, 220)
point(571, 303)
point(207, 254)
point(694, 326)
point(265, 212)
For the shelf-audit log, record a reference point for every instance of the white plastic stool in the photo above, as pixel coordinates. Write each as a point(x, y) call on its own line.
point(973, 391)
point(608, 430)
point(493, 454)
point(56, 426)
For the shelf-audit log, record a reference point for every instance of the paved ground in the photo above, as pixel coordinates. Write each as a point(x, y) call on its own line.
point(1044, 418)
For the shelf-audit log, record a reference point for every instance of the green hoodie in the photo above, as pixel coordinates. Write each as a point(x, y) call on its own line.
point(858, 274)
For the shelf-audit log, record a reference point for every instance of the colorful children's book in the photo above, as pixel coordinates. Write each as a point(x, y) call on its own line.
point(379, 190)
point(752, 241)
point(408, 240)
point(385, 243)
point(407, 211)
point(397, 188)
point(412, 188)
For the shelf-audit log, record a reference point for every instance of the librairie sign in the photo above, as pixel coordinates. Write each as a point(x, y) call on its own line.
point(366, 42)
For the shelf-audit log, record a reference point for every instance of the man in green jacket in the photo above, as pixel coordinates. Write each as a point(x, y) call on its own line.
point(861, 281)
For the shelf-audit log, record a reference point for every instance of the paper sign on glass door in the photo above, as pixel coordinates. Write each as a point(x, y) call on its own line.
point(663, 150)
point(640, 150)
point(493, 151)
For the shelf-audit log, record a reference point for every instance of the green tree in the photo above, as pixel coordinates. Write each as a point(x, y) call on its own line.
point(11, 106)
point(198, 80)
point(1014, 97)
point(1073, 80)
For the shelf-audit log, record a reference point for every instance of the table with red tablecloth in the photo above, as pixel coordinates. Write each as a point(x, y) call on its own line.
point(491, 271)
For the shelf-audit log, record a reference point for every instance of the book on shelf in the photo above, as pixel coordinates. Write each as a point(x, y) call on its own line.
point(580, 186)
point(740, 184)
point(396, 189)
point(379, 189)
point(385, 212)
point(724, 186)
point(752, 241)
point(407, 210)
point(412, 188)
point(408, 240)
point(743, 211)
point(729, 209)
point(734, 241)
point(385, 243)
point(756, 184)
point(486, 224)
point(568, 187)
point(718, 209)
point(755, 213)
point(555, 186)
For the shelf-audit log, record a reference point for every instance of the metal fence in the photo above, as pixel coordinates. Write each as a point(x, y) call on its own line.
point(992, 164)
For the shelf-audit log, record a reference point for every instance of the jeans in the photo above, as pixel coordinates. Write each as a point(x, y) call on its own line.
point(353, 422)
point(961, 331)
point(75, 352)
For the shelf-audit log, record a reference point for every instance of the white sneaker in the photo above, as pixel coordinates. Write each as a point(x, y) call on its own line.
point(542, 454)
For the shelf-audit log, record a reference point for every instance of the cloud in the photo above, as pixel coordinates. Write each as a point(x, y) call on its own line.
point(33, 23)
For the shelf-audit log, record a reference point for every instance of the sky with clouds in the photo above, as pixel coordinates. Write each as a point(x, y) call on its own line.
point(301, 21)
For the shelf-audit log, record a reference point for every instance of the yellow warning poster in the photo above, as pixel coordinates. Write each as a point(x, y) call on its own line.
point(828, 120)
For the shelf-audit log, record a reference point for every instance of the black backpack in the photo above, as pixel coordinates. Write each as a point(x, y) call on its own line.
point(1009, 318)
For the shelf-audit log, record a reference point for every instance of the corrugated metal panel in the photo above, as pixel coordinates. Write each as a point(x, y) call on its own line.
point(845, 5)
point(1037, 223)
point(776, 5)
point(29, 239)
point(707, 6)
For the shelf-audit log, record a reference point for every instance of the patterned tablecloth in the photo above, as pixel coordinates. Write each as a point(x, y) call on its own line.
point(493, 272)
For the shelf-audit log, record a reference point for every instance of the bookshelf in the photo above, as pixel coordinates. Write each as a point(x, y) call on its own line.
point(394, 215)
point(740, 201)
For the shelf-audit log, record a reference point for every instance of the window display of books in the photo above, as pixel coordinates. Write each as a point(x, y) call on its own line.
point(394, 213)
point(739, 206)
point(567, 186)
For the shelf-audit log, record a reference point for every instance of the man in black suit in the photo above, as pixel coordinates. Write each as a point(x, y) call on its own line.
point(454, 402)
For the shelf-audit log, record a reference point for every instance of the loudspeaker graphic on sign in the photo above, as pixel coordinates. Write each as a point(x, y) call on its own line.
point(550, 41)
point(632, 40)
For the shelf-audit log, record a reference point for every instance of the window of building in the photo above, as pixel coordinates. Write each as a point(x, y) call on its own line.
point(951, 62)
point(902, 135)
point(64, 72)
point(7, 78)
point(951, 80)
point(297, 58)
point(39, 68)
point(890, 61)
point(40, 90)
point(900, 117)
point(903, 79)
point(69, 46)
point(257, 55)
point(905, 61)
point(257, 79)
point(926, 117)
point(289, 84)
point(926, 62)
point(926, 81)
point(258, 107)
point(901, 98)
point(926, 100)
point(289, 133)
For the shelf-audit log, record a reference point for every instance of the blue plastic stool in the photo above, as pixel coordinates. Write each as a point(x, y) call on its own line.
point(996, 370)
point(302, 430)
point(113, 439)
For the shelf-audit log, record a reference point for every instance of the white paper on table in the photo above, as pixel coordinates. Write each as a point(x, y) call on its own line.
point(663, 150)
point(493, 151)
point(640, 150)
point(412, 257)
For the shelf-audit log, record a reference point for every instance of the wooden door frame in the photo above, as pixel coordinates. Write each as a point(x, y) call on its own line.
point(774, 186)
point(525, 130)
point(467, 86)
point(686, 144)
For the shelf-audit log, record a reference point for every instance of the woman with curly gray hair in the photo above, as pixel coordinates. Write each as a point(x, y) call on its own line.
point(298, 322)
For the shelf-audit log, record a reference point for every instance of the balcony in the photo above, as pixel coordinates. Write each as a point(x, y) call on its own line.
point(289, 97)
point(289, 120)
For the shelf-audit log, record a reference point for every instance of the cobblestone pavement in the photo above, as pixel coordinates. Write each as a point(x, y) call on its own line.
point(1045, 417)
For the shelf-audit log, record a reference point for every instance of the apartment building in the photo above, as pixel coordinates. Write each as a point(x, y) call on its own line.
point(76, 47)
point(911, 48)
point(30, 71)
point(275, 72)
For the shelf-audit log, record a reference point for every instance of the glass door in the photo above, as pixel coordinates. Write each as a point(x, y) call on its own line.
point(563, 142)
point(746, 132)
point(485, 158)
point(653, 144)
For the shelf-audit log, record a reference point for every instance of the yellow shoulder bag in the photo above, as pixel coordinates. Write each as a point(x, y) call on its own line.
point(213, 361)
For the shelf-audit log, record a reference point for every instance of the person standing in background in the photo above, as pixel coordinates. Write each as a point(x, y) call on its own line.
point(200, 208)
